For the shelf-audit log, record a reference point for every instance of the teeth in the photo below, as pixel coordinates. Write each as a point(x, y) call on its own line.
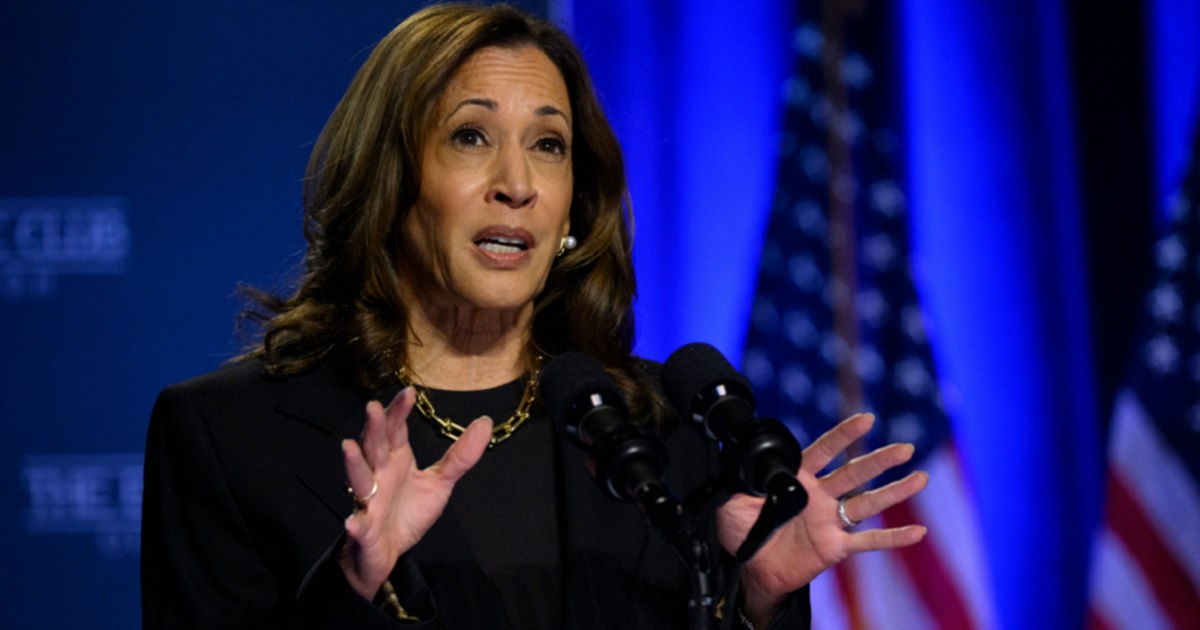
point(502, 245)
point(499, 248)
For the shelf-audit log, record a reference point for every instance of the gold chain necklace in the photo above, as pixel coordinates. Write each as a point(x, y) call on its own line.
point(453, 430)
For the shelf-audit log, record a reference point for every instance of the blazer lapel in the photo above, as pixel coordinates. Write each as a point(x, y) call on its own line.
point(320, 400)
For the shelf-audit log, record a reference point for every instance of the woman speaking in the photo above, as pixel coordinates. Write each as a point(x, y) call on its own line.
point(466, 215)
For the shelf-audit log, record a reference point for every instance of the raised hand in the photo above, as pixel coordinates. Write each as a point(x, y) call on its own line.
point(397, 502)
point(817, 538)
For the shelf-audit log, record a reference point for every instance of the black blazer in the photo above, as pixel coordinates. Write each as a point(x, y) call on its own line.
point(244, 504)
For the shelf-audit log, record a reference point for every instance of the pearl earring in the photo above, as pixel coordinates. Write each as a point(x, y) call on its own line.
point(567, 242)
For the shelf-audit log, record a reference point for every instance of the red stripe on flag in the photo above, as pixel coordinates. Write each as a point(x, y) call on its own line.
point(1096, 621)
point(847, 583)
point(1172, 586)
point(929, 575)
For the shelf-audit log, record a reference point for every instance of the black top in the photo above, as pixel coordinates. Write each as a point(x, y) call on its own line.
point(508, 504)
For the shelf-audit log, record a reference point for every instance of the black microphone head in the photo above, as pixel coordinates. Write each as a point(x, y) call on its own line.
point(626, 460)
point(571, 375)
point(698, 367)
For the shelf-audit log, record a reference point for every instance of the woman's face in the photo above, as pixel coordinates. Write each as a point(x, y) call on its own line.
point(496, 183)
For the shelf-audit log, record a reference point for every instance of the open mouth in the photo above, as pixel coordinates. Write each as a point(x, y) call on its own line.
point(502, 245)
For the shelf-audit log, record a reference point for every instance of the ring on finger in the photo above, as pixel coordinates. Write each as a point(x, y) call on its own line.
point(366, 497)
point(847, 522)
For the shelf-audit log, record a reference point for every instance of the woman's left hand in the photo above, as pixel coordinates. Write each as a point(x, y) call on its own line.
point(816, 539)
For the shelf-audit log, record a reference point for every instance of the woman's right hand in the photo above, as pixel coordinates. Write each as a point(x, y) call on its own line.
point(408, 500)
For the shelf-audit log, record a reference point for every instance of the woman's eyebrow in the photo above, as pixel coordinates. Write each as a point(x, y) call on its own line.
point(550, 110)
point(491, 105)
point(485, 103)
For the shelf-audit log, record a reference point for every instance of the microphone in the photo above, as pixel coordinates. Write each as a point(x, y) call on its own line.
point(761, 453)
point(626, 460)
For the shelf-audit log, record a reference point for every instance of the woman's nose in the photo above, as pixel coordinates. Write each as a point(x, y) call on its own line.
point(512, 182)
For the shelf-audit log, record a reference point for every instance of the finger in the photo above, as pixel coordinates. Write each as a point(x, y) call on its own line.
point(374, 436)
point(358, 473)
point(834, 441)
point(465, 452)
point(868, 504)
point(863, 469)
point(878, 539)
point(397, 418)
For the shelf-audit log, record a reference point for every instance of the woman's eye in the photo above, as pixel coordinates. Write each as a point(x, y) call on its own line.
point(552, 145)
point(468, 136)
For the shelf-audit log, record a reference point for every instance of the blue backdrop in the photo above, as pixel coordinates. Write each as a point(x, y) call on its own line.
point(151, 155)
point(996, 197)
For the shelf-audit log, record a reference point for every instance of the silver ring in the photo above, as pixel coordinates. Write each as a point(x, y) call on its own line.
point(367, 497)
point(847, 522)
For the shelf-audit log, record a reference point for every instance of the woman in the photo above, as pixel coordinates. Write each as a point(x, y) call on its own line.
point(465, 212)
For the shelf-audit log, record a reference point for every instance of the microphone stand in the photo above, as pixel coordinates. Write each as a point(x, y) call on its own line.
point(753, 460)
point(678, 526)
point(760, 459)
point(631, 460)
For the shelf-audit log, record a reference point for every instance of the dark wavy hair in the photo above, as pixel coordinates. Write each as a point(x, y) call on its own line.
point(363, 178)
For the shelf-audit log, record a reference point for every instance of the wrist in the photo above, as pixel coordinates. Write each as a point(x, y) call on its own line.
point(367, 589)
point(758, 604)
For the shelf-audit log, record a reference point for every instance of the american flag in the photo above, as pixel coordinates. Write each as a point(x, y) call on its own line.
point(836, 327)
point(1146, 567)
